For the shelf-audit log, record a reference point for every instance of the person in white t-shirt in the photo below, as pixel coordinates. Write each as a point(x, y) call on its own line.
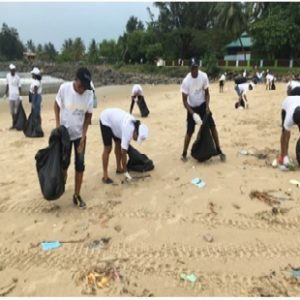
point(242, 89)
point(120, 126)
point(196, 98)
point(73, 109)
point(290, 116)
point(35, 92)
point(269, 80)
point(222, 82)
point(13, 91)
point(137, 94)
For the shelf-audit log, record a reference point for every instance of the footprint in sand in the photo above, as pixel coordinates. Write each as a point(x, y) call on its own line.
point(136, 235)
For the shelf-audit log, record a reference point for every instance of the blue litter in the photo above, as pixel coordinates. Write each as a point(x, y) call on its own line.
point(50, 245)
point(296, 273)
point(198, 182)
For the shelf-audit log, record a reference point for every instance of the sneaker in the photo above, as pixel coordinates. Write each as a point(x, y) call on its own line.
point(78, 201)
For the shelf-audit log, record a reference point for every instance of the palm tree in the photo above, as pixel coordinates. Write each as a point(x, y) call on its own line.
point(232, 17)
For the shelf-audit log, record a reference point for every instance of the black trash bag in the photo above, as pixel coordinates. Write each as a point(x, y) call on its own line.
point(138, 162)
point(298, 151)
point(240, 80)
point(143, 106)
point(50, 163)
point(273, 87)
point(204, 147)
point(20, 118)
point(33, 126)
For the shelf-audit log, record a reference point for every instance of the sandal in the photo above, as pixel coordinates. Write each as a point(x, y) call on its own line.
point(107, 181)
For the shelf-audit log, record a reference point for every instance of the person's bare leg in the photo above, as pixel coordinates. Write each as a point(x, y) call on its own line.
point(105, 160)
point(186, 144)
point(78, 182)
point(118, 154)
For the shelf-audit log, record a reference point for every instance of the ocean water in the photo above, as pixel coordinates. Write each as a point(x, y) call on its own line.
point(50, 84)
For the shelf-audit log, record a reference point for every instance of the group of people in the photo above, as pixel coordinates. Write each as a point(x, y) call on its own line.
point(74, 106)
point(14, 88)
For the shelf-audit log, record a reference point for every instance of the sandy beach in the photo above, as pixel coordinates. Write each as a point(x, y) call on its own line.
point(162, 226)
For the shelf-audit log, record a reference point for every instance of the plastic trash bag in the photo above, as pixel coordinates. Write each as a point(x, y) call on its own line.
point(20, 118)
point(204, 147)
point(138, 162)
point(33, 126)
point(50, 163)
point(143, 106)
point(298, 151)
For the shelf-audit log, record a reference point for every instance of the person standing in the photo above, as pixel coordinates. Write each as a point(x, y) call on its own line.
point(120, 126)
point(35, 93)
point(73, 109)
point(196, 99)
point(222, 82)
point(13, 91)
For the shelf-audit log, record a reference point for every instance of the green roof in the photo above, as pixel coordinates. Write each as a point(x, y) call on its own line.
point(246, 40)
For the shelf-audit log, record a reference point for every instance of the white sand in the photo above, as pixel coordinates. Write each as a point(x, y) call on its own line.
point(163, 219)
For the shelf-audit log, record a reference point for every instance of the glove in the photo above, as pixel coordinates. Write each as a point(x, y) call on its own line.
point(127, 176)
point(20, 98)
point(196, 118)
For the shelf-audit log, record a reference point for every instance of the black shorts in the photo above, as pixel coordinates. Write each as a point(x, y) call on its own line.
point(201, 111)
point(107, 135)
point(221, 83)
point(79, 157)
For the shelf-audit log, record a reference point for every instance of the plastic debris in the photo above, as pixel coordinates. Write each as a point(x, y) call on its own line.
point(296, 272)
point(50, 245)
point(198, 182)
point(295, 182)
point(189, 277)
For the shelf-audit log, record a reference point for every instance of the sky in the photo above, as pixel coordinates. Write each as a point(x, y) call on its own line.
point(54, 22)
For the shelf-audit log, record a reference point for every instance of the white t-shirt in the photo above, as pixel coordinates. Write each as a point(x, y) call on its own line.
point(121, 124)
point(289, 105)
point(244, 88)
point(14, 83)
point(137, 90)
point(73, 108)
point(222, 78)
point(36, 83)
point(292, 84)
point(195, 88)
point(269, 77)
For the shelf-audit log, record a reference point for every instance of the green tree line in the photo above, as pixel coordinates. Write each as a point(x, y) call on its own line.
point(181, 30)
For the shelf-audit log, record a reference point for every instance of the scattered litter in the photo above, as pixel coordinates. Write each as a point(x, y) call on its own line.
point(208, 238)
point(198, 182)
point(101, 281)
point(99, 244)
point(188, 277)
point(296, 272)
point(264, 197)
point(255, 153)
point(295, 182)
point(50, 245)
